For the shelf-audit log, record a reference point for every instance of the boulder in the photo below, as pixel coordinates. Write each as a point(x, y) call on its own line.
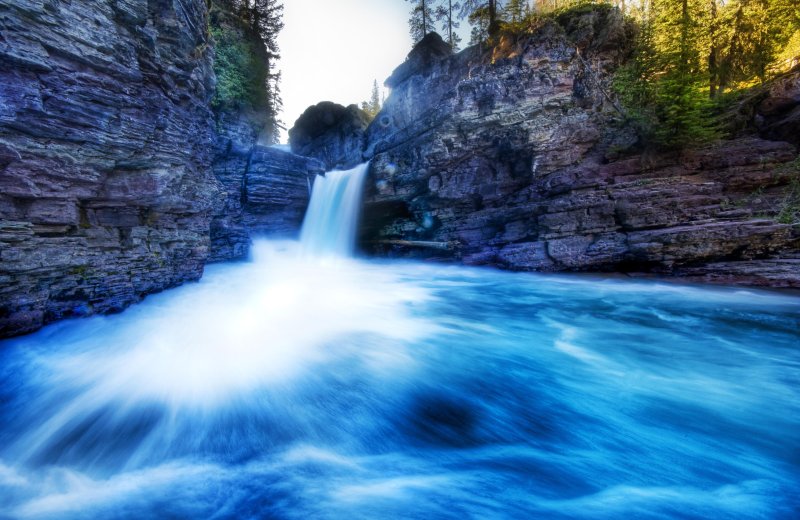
point(332, 133)
point(778, 114)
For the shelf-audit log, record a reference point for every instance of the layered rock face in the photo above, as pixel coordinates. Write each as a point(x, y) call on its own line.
point(512, 159)
point(115, 178)
point(267, 192)
point(106, 191)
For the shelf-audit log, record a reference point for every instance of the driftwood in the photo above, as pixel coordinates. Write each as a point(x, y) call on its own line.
point(446, 246)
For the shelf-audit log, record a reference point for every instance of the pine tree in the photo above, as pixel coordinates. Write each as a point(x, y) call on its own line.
point(479, 20)
point(516, 10)
point(265, 18)
point(420, 22)
point(446, 14)
point(757, 32)
point(373, 106)
point(268, 21)
point(483, 15)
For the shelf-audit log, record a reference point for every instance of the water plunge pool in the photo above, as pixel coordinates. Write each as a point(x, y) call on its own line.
point(296, 387)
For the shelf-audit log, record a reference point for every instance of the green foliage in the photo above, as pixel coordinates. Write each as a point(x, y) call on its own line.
point(516, 11)
point(790, 207)
point(373, 106)
point(666, 102)
point(420, 22)
point(480, 21)
point(683, 113)
point(447, 13)
point(241, 75)
point(691, 56)
point(245, 40)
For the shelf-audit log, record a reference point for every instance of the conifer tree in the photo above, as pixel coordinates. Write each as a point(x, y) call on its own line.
point(446, 14)
point(251, 61)
point(373, 106)
point(479, 20)
point(516, 10)
point(483, 15)
point(267, 21)
point(420, 22)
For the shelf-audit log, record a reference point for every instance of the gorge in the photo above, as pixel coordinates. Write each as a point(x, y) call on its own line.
point(308, 383)
point(358, 339)
point(119, 181)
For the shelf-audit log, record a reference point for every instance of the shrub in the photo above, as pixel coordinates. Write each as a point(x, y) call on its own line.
point(241, 74)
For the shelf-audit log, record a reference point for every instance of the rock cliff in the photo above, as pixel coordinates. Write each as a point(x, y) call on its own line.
point(116, 180)
point(105, 187)
point(266, 189)
point(511, 157)
point(267, 192)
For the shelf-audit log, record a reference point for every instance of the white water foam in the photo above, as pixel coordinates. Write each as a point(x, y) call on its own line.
point(331, 222)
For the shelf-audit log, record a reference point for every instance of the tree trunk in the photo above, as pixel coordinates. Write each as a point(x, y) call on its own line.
point(424, 19)
point(713, 52)
point(686, 21)
point(493, 25)
point(450, 22)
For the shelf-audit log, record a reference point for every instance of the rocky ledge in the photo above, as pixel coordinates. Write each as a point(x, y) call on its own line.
point(267, 192)
point(511, 157)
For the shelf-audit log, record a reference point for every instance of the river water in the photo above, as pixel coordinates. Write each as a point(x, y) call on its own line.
point(302, 385)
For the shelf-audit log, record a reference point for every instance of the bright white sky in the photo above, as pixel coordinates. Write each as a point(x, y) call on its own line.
point(332, 50)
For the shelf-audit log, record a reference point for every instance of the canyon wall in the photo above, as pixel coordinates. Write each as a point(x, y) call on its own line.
point(116, 179)
point(517, 157)
point(106, 189)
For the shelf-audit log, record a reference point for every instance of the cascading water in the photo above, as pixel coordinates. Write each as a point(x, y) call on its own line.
point(372, 389)
point(332, 218)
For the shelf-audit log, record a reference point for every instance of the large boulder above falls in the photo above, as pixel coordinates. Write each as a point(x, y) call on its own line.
point(336, 134)
point(332, 133)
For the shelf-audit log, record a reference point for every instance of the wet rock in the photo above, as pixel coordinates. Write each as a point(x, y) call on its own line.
point(266, 188)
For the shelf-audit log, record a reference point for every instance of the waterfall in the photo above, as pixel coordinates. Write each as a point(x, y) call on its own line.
point(331, 222)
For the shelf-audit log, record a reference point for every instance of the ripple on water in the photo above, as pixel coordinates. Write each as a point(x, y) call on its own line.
point(344, 388)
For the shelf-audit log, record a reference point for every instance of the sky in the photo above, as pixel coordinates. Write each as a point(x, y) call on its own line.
point(332, 50)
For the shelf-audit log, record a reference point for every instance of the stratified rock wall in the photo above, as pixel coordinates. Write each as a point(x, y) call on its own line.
point(267, 190)
point(277, 189)
point(115, 178)
point(510, 157)
point(106, 191)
